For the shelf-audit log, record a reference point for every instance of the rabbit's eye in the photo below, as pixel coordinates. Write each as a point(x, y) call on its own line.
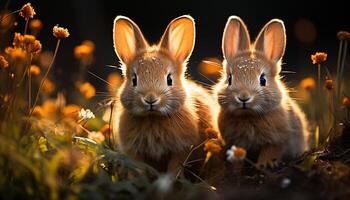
point(262, 79)
point(134, 80)
point(169, 80)
point(229, 79)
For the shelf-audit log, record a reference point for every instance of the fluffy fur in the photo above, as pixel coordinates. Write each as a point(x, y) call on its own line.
point(160, 134)
point(257, 117)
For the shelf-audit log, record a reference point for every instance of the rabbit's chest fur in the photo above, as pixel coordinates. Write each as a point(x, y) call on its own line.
point(251, 131)
point(156, 136)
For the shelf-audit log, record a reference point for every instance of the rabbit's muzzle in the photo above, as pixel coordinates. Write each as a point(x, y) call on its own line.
point(151, 101)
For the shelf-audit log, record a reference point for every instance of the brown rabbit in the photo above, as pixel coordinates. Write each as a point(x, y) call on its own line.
point(160, 113)
point(256, 111)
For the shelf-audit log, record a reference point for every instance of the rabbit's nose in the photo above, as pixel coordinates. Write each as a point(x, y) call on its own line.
point(150, 100)
point(244, 100)
point(244, 97)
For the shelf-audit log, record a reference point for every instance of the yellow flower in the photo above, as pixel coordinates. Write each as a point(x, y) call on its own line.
point(114, 80)
point(35, 25)
point(16, 54)
point(343, 35)
point(346, 102)
point(3, 62)
point(308, 83)
point(48, 86)
point(71, 111)
point(212, 146)
point(318, 57)
point(34, 70)
point(60, 32)
point(27, 11)
point(329, 84)
point(87, 90)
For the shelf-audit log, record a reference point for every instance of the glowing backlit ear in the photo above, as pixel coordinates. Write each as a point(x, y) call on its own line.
point(127, 38)
point(272, 40)
point(235, 38)
point(179, 38)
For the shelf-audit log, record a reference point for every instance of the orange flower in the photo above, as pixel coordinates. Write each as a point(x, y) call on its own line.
point(35, 25)
point(16, 54)
point(35, 47)
point(71, 111)
point(212, 147)
point(329, 84)
point(211, 133)
point(18, 40)
point(3, 62)
point(27, 42)
point(346, 102)
point(105, 130)
point(87, 90)
point(82, 51)
point(114, 80)
point(318, 57)
point(308, 83)
point(28, 39)
point(27, 11)
point(343, 35)
point(48, 86)
point(38, 112)
point(235, 153)
point(60, 32)
point(34, 70)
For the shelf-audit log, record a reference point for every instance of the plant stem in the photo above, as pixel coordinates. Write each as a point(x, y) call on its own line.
point(6, 16)
point(342, 66)
point(338, 69)
point(29, 90)
point(319, 95)
point(45, 76)
point(188, 157)
point(26, 27)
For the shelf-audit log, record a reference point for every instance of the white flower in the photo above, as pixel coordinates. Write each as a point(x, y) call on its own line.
point(230, 153)
point(235, 153)
point(285, 182)
point(164, 183)
point(86, 114)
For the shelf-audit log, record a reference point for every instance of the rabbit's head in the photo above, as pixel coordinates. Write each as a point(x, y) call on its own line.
point(153, 74)
point(250, 81)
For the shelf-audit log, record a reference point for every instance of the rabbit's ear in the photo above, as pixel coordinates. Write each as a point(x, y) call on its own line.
point(272, 40)
point(127, 38)
point(179, 38)
point(235, 38)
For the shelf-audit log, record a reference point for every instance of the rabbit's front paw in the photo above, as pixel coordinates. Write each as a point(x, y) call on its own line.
point(269, 157)
point(262, 164)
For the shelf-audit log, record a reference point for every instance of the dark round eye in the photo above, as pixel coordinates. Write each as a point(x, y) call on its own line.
point(229, 79)
point(169, 80)
point(134, 79)
point(262, 79)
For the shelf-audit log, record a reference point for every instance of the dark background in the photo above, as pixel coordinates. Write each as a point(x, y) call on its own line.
point(316, 23)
